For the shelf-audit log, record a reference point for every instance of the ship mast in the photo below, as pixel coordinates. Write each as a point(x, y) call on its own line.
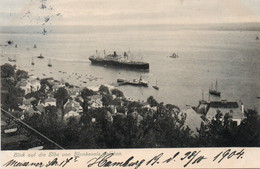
point(216, 85)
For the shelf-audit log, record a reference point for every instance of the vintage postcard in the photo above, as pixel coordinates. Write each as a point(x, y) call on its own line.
point(130, 83)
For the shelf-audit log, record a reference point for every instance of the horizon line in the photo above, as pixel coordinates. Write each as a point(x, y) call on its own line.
point(153, 24)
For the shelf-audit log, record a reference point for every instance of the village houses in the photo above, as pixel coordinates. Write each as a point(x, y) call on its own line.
point(29, 85)
point(95, 101)
point(211, 108)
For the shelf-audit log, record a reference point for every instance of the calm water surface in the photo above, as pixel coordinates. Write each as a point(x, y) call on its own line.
point(231, 57)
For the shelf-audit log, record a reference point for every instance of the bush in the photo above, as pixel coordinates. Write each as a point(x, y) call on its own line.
point(7, 70)
point(117, 93)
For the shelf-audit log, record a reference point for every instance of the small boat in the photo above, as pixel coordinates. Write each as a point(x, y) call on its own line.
point(258, 97)
point(120, 80)
point(134, 82)
point(49, 64)
point(14, 59)
point(34, 46)
point(10, 42)
point(32, 62)
point(215, 91)
point(156, 87)
point(40, 57)
point(44, 32)
point(174, 55)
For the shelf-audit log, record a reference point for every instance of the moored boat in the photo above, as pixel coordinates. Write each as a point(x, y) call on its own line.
point(40, 57)
point(155, 86)
point(134, 82)
point(174, 55)
point(10, 42)
point(32, 62)
point(49, 64)
point(214, 91)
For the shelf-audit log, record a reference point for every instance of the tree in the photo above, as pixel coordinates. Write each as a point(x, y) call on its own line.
point(7, 70)
point(249, 130)
point(222, 132)
point(117, 93)
point(121, 109)
point(85, 93)
point(103, 89)
point(62, 96)
point(107, 99)
point(44, 83)
point(9, 98)
point(21, 74)
point(152, 101)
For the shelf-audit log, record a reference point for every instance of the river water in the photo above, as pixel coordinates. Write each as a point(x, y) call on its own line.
point(230, 57)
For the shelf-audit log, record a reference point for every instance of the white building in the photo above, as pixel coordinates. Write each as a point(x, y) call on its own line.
point(71, 114)
point(95, 101)
point(50, 102)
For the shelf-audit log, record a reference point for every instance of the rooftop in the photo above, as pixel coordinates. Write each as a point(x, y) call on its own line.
point(223, 104)
point(50, 99)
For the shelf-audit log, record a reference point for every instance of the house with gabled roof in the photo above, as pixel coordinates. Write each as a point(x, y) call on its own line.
point(71, 113)
point(73, 92)
point(50, 102)
point(95, 101)
point(211, 108)
point(35, 85)
point(72, 105)
point(137, 116)
point(40, 108)
point(31, 112)
point(24, 85)
point(27, 103)
point(193, 120)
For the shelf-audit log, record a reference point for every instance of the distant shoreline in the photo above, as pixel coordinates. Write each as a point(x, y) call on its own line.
point(77, 29)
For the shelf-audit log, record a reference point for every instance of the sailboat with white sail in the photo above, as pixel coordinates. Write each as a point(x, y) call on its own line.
point(32, 62)
point(49, 64)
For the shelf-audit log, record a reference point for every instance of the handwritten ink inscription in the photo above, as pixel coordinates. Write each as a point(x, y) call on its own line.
point(109, 160)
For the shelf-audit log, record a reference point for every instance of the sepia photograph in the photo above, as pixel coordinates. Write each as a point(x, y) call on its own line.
point(129, 74)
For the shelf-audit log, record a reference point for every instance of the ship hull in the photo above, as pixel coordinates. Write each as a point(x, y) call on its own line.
point(125, 82)
point(120, 64)
point(213, 92)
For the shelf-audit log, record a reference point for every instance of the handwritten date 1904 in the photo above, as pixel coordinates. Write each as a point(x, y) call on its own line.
point(228, 155)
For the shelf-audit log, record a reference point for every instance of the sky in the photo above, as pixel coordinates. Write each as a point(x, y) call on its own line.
point(127, 12)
